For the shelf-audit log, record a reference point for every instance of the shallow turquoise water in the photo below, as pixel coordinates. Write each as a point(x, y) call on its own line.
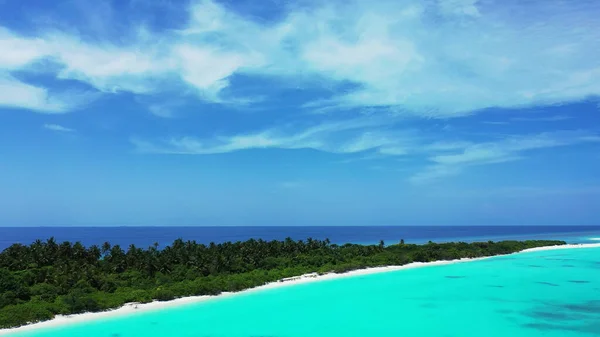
point(551, 293)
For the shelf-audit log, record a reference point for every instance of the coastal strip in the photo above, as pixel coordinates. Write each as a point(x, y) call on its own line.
point(132, 308)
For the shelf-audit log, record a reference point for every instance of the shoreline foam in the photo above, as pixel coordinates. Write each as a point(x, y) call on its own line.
point(131, 308)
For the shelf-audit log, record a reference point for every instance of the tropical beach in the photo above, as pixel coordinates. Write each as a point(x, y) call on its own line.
point(48, 278)
point(156, 306)
point(299, 168)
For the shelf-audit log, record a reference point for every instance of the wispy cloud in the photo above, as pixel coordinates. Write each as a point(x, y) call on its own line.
point(556, 118)
point(495, 122)
point(17, 94)
point(346, 136)
point(412, 54)
point(370, 139)
point(147, 65)
point(364, 157)
point(57, 128)
point(509, 149)
point(447, 146)
point(540, 118)
point(161, 110)
point(435, 58)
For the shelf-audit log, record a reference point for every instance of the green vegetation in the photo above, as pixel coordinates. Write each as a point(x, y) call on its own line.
point(47, 278)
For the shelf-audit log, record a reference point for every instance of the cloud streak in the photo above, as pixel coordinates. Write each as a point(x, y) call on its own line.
point(505, 150)
point(57, 128)
point(347, 136)
point(556, 118)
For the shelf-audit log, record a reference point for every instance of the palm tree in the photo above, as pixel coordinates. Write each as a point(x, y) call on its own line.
point(94, 254)
point(105, 248)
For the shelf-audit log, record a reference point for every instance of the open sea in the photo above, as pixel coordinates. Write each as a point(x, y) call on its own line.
point(146, 236)
point(546, 294)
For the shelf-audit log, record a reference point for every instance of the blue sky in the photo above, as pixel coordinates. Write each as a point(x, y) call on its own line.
point(404, 112)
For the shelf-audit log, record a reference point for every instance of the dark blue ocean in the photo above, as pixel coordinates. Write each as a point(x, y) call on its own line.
point(146, 236)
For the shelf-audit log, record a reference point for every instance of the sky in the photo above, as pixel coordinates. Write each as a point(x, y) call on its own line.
point(239, 112)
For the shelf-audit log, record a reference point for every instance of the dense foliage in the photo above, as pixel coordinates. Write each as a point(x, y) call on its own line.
point(48, 278)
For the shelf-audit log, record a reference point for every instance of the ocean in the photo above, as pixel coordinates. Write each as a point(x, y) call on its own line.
point(146, 236)
point(553, 293)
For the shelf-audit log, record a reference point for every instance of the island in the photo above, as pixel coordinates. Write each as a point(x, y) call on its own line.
point(47, 278)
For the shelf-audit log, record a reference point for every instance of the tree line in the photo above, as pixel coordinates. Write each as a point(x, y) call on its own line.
point(46, 278)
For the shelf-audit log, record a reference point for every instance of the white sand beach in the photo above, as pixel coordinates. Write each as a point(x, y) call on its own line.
point(570, 246)
point(132, 308)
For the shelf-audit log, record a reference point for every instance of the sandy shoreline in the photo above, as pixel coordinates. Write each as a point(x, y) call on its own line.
point(136, 308)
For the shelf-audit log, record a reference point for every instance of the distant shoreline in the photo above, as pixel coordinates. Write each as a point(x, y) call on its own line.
point(132, 308)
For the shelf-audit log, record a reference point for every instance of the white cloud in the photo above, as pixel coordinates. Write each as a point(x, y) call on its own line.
point(16, 94)
point(439, 66)
point(349, 136)
point(556, 118)
point(435, 172)
point(370, 138)
point(57, 128)
point(509, 149)
point(160, 110)
point(448, 146)
point(107, 67)
point(441, 58)
point(18, 52)
point(146, 65)
point(206, 69)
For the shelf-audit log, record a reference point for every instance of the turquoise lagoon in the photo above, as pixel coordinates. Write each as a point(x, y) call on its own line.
point(547, 293)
